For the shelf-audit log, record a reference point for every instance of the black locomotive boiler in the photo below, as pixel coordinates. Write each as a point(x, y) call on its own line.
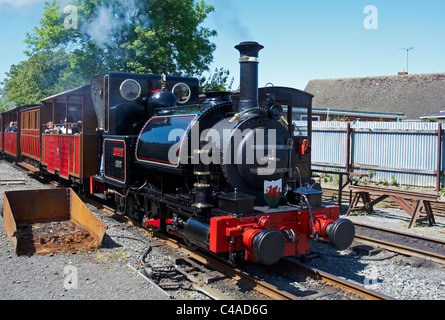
point(229, 174)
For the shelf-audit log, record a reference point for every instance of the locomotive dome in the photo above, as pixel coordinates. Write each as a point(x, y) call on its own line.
point(162, 99)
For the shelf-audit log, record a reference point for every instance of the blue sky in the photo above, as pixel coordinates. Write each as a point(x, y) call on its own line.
point(319, 39)
point(16, 18)
point(303, 40)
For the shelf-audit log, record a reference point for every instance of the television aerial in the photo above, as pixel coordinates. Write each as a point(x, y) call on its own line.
point(407, 56)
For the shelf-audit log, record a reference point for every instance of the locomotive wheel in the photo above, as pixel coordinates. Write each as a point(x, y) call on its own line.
point(189, 244)
point(125, 206)
point(152, 210)
point(121, 205)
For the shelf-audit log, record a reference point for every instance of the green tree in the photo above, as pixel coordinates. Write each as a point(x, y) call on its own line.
point(142, 36)
point(145, 36)
point(31, 80)
point(218, 81)
point(5, 103)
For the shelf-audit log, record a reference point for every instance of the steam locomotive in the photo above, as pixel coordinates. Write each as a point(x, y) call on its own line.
point(228, 173)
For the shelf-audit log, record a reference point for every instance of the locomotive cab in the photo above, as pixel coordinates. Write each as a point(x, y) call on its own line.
point(121, 100)
point(123, 103)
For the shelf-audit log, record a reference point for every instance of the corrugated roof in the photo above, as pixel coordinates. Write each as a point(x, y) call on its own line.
point(440, 115)
point(415, 95)
point(65, 93)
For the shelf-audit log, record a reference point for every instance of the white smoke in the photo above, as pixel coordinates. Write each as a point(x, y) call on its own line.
point(101, 28)
point(229, 21)
point(109, 19)
point(107, 24)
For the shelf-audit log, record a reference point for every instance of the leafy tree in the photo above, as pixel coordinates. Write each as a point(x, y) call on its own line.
point(142, 36)
point(145, 36)
point(31, 80)
point(5, 103)
point(218, 81)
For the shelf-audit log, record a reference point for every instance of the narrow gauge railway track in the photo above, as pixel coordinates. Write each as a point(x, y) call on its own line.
point(342, 284)
point(398, 241)
point(402, 242)
point(262, 287)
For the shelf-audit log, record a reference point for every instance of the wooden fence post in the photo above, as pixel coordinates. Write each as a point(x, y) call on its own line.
point(348, 146)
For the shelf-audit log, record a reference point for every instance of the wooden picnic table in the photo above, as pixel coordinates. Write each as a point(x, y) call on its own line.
point(422, 201)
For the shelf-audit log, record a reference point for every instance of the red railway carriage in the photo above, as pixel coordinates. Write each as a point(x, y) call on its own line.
point(10, 138)
point(69, 135)
point(19, 133)
point(30, 132)
point(11, 127)
point(1, 134)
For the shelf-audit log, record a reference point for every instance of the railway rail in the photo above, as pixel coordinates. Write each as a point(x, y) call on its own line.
point(402, 242)
point(267, 289)
point(333, 280)
point(397, 241)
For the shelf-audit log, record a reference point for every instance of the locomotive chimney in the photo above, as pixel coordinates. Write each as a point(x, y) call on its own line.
point(249, 74)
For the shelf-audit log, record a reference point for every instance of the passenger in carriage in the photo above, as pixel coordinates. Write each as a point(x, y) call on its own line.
point(10, 128)
point(14, 127)
point(62, 126)
point(50, 127)
point(77, 128)
point(65, 128)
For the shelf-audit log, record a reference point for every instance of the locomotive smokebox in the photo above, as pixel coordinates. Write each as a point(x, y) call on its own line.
point(249, 74)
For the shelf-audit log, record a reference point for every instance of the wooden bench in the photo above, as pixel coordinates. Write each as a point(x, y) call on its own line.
point(351, 178)
point(422, 201)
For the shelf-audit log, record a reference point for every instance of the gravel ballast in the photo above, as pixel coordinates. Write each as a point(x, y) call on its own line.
point(107, 273)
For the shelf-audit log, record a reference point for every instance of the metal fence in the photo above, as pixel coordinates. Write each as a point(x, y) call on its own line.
point(406, 153)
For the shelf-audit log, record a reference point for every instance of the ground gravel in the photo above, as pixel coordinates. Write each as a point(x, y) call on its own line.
point(107, 273)
point(397, 276)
